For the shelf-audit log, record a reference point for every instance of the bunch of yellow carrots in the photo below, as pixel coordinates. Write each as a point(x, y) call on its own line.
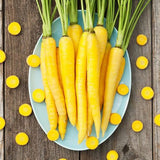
point(82, 74)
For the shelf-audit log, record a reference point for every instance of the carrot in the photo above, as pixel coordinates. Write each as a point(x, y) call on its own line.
point(50, 104)
point(93, 79)
point(74, 30)
point(114, 63)
point(110, 22)
point(101, 31)
point(67, 62)
point(103, 74)
point(121, 70)
point(93, 72)
point(81, 69)
point(125, 30)
point(81, 80)
point(49, 69)
point(59, 67)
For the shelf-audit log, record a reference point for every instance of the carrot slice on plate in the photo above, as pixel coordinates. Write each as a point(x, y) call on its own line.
point(92, 143)
point(123, 89)
point(38, 95)
point(33, 61)
point(53, 135)
point(115, 119)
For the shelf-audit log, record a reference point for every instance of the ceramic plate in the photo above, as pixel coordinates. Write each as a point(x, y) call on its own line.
point(39, 109)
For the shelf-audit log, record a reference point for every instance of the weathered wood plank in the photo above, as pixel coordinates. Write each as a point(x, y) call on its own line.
point(1, 89)
point(0, 5)
point(130, 145)
point(156, 75)
point(17, 49)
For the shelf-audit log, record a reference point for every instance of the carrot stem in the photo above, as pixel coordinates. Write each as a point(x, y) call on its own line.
point(101, 11)
point(73, 16)
point(127, 22)
point(62, 7)
point(45, 16)
point(111, 17)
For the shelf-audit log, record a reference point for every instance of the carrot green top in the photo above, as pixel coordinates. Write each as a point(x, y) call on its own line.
point(62, 7)
point(127, 22)
point(101, 7)
point(46, 16)
point(90, 10)
point(88, 17)
point(111, 18)
point(73, 16)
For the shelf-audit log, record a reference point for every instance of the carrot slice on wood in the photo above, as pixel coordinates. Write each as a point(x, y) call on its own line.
point(141, 39)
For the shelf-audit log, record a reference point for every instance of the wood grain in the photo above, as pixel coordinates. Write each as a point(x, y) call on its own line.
point(18, 48)
point(156, 75)
point(130, 145)
point(1, 87)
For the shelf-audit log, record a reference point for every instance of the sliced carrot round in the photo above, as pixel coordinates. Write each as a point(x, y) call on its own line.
point(53, 135)
point(157, 119)
point(33, 60)
point(123, 89)
point(12, 81)
point(115, 119)
point(25, 110)
point(142, 62)
point(92, 143)
point(14, 28)
point(2, 56)
point(137, 126)
point(112, 155)
point(38, 95)
point(22, 138)
point(2, 123)
point(141, 39)
point(147, 93)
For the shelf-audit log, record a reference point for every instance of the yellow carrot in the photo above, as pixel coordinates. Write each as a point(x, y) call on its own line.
point(101, 32)
point(121, 70)
point(67, 61)
point(58, 66)
point(90, 121)
point(127, 23)
point(103, 74)
point(74, 32)
point(62, 125)
point(81, 70)
point(53, 81)
point(102, 37)
point(93, 79)
point(50, 104)
point(114, 64)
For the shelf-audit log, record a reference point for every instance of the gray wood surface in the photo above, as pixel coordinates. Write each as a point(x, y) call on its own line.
point(130, 146)
point(1, 88)
point(156, 74)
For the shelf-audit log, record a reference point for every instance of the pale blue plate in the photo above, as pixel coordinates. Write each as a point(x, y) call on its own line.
point(35, 81)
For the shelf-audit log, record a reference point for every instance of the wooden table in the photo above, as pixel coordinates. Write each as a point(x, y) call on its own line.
point(130, 146)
